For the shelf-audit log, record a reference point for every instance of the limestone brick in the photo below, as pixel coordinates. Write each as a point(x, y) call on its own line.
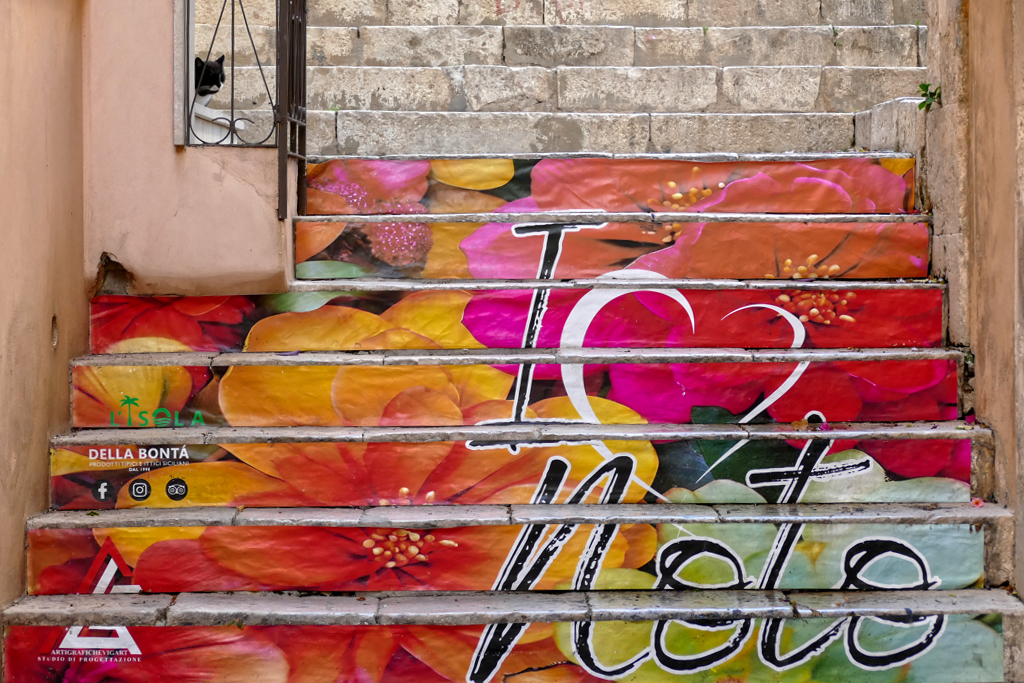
point(422, 12)
point(771, 89)
point(381, 88)
point(755, 133)
point(501, 12)
point(376, 133)
point(616, 12)
point(753, 13)
point(346, 12)
point(857, 12)
point(431, 45)
point(876, 46)
point(856, 88)
point(332, 46)
point(501, 88)
point(616, 89)
point(669, 46)
point(569, 45)
point(746, 46)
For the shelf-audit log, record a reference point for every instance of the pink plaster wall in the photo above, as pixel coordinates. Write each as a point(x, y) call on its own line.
point(181, 220)
point(40, 255)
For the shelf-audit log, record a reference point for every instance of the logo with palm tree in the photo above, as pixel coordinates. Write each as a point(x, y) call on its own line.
point(128, 402)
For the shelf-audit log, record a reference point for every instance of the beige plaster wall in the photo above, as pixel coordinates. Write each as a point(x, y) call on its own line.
point(40, 254)
point(993, 239)
point(181, 220)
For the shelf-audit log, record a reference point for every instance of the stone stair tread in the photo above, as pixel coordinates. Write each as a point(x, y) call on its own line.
point(698, 157)
point(579, 89)
point(549, 432)
point(432, 134)
point(582, 45)
point(633, 217)
point(445, 517)
point(397, 285)
point(513, 356)
point(213, 609)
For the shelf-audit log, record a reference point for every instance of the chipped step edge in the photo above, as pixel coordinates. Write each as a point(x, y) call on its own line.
point(218, 609)
point(541, 433)
point(618, 217)
point(705, 157)
point(553, 356)
point(445, 517)
point(395, 285)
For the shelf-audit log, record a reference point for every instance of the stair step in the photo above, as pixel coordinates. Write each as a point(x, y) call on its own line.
point(675, 189)
point(382, 284)
point(232, 609)
point(313, 637)
point(578, 45)
point(229, 467)
point(609, 89)
point(527, 431)
point(639, 385)
point(571, 217)
point(459, 317)
point(456, 516)
point(385, 133)
point(696, 13)
point(552, 356)
point(476, 547)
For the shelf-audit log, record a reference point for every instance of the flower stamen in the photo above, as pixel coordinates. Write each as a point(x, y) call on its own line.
point(820, 307)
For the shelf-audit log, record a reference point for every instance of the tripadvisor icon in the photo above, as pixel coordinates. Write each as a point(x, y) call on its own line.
point(161, 417)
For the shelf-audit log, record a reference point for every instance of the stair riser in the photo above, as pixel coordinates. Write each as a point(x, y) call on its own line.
point(453, 319)
point(443, 395)
point(424, 248)
point(553, 46)
point(350, 558)
point(326, 251)
point(584, 89)
point(695, 13)
point(445, 653)
point(360, 474)
point(530, 133)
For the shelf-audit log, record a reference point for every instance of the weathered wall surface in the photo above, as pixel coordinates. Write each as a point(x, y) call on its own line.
point(993, 239)
point(188, 221)
point(40, 254)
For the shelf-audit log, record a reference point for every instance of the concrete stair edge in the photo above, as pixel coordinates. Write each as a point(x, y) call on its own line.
point(215, 609)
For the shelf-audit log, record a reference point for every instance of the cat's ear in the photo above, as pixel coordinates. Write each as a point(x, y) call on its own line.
point(199, 63)
point(220, 60)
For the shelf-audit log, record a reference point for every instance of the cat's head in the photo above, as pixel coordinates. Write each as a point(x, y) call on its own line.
point(211, 78)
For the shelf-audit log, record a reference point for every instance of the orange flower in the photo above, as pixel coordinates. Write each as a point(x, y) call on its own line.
point(105, 394)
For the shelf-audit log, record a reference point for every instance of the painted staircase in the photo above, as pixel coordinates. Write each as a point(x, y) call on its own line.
point(519, 417)
point(593, 440)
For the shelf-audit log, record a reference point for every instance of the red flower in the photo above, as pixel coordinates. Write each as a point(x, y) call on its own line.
point(702, 250)
point(874, 391)
point(832, 319)
point(202, 323)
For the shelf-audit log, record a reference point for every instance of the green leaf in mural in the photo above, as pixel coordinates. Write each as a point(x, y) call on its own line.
point(327, 270)
point(300, 302)
point(753, 455)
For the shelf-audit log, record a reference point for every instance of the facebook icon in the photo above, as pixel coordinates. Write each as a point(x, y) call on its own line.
point(101, 491)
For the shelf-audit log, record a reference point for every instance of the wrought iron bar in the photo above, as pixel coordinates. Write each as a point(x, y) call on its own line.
point(290, 113)
point(231, 122)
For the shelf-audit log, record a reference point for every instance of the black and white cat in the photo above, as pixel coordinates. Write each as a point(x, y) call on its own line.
point(209, 76)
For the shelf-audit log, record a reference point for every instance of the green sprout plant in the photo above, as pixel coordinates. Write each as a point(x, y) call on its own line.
point(930, 96)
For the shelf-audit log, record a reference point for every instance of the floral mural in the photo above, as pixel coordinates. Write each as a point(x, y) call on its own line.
point(681, 248)
point(790, 343)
